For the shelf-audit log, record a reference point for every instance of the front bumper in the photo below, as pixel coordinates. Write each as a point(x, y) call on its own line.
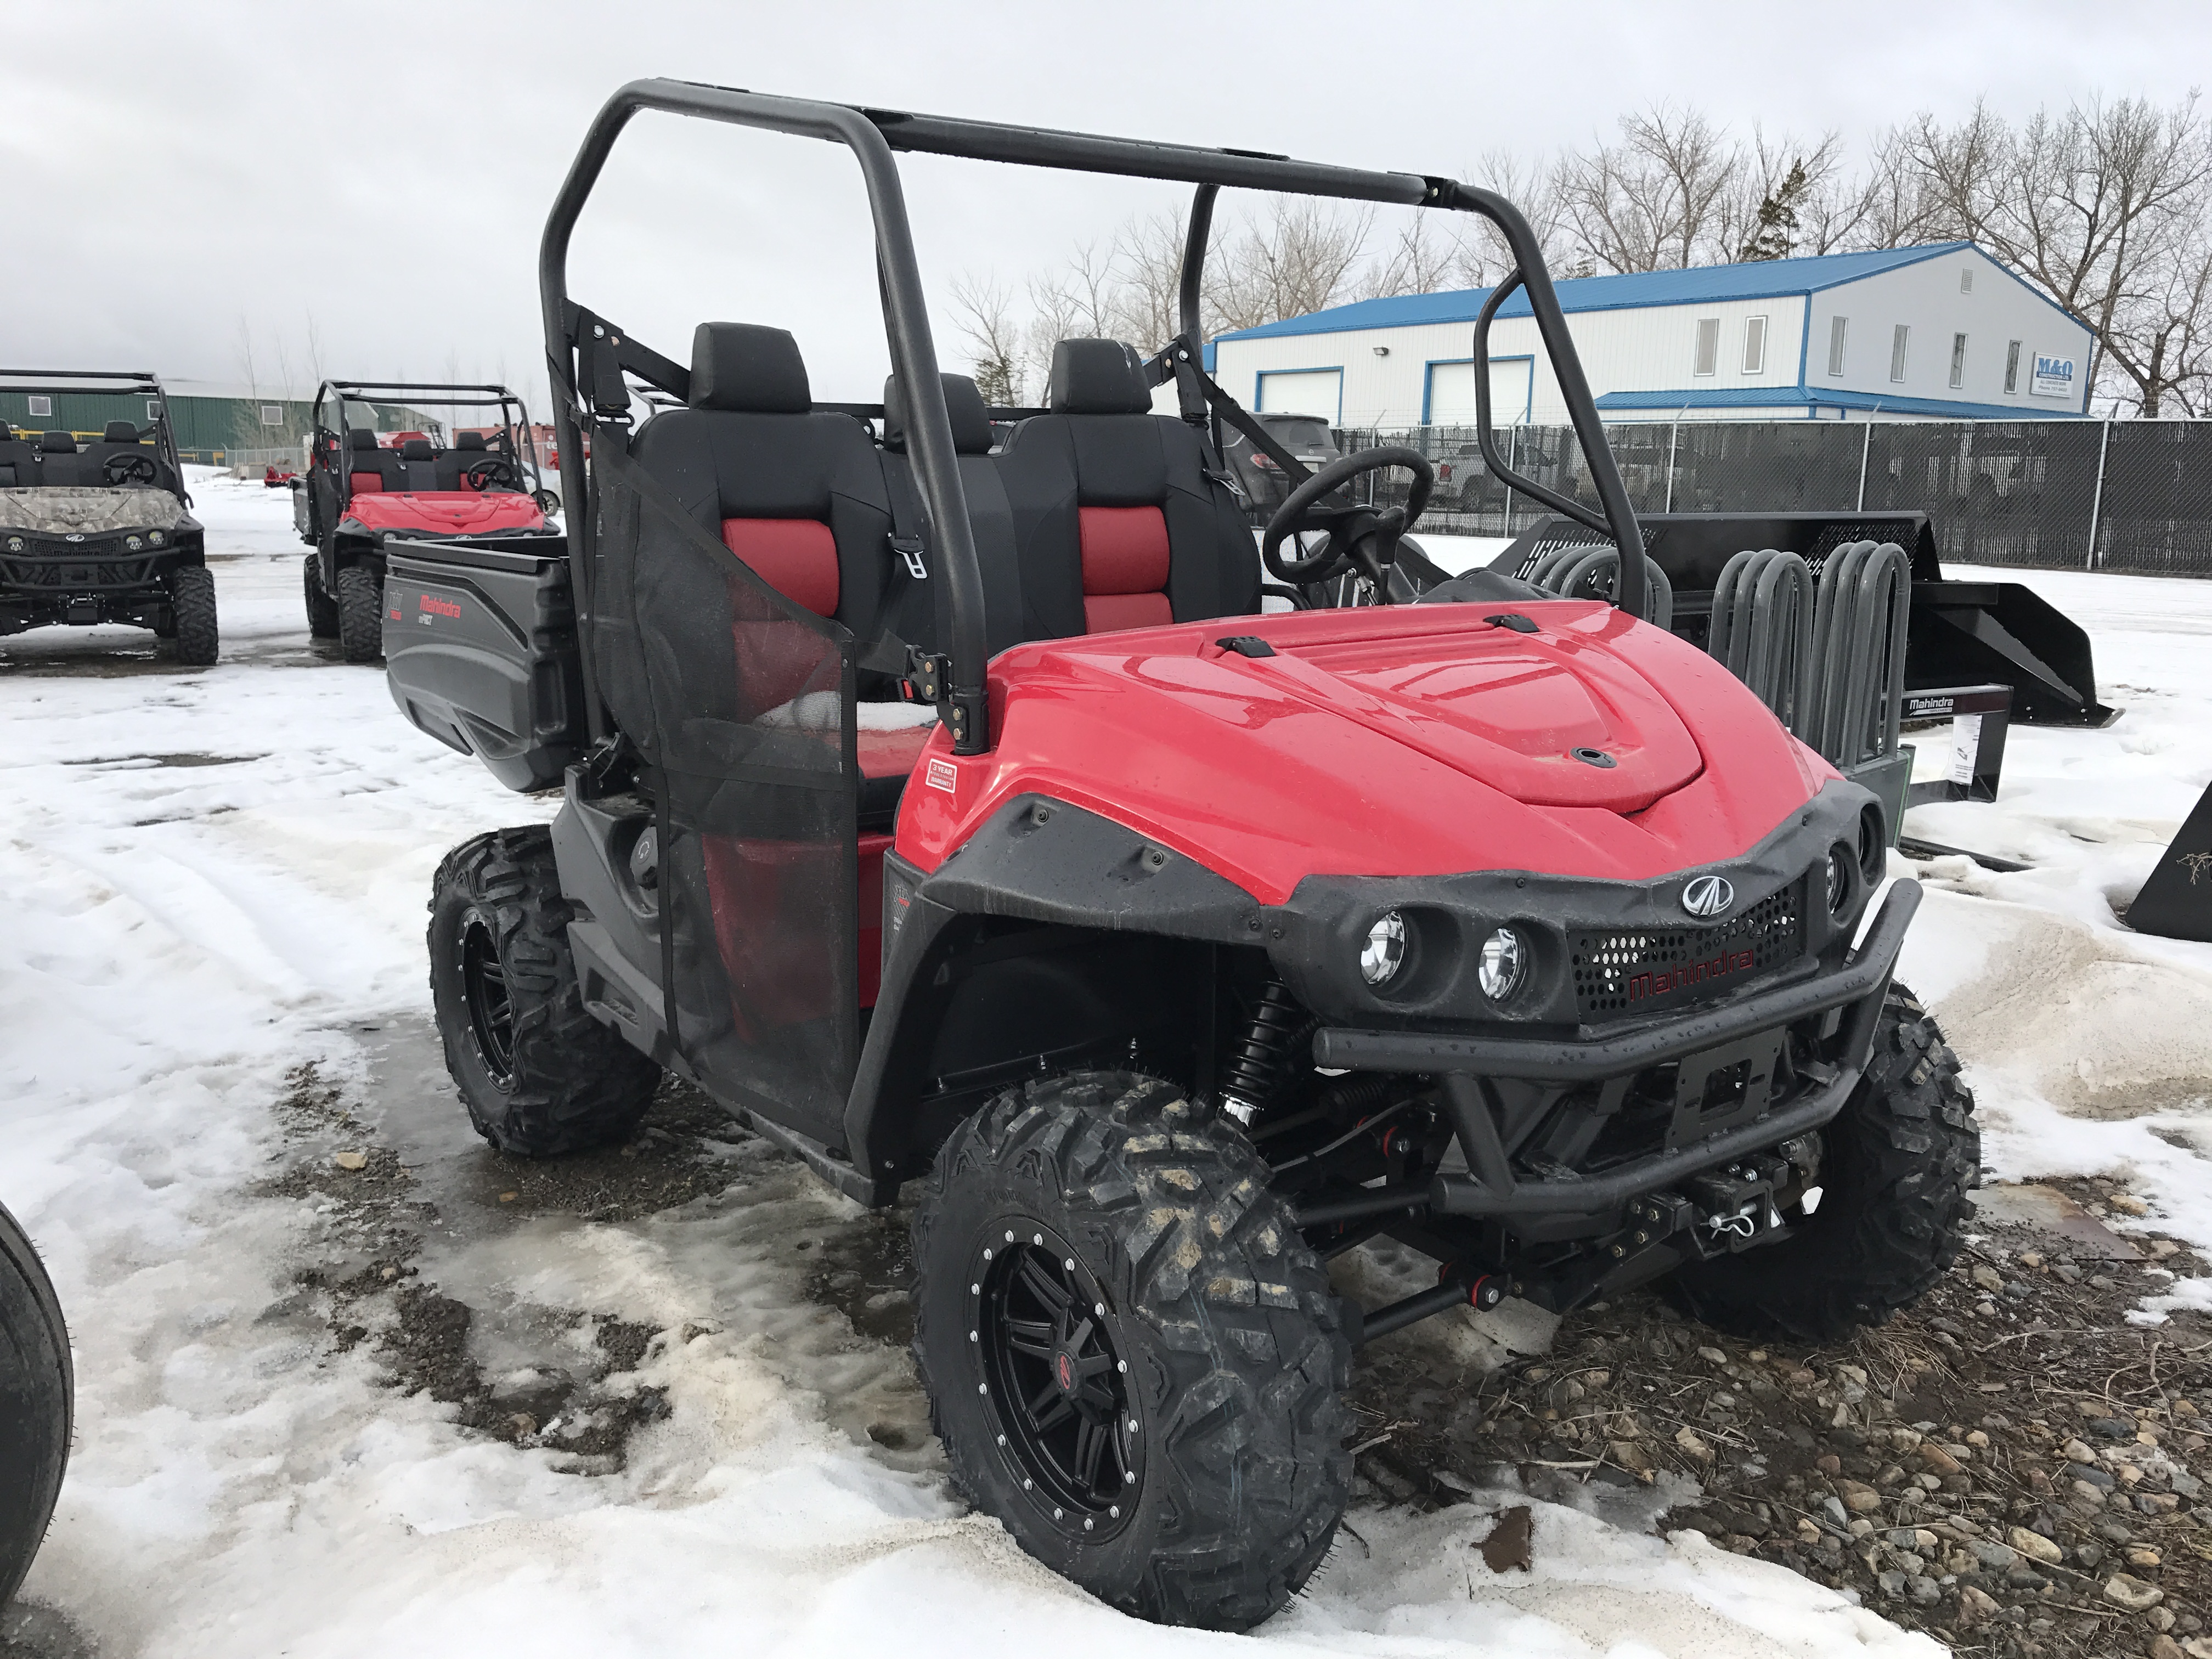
point(1464, 1065)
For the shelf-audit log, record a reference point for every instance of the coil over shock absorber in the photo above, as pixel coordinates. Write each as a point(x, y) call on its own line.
point(1267, 1050)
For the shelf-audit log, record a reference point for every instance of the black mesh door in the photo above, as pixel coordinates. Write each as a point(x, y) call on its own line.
point(744, 702)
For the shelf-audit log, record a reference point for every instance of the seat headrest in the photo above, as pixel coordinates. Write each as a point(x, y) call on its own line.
point(361, 438)
point(468, 440)
point(417, 449)
point(744, 365)
point(120, 432)
point(971, 421)
point(56, 443)
point(1097, 377)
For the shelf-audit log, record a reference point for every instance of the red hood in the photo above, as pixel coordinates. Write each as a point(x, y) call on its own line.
point(1411, 740)
point(444, 512)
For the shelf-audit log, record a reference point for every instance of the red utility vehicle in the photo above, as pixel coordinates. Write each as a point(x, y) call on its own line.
point(360, 492)
point(948, 808)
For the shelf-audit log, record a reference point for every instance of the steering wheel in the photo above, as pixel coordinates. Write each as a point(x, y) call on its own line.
point(1360, 537)
point(492, 471)
point(120, 469)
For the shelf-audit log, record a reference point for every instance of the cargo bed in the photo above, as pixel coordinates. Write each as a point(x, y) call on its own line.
point(480, 651)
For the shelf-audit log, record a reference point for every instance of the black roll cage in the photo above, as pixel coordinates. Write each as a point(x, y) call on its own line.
point(590, 366)
point(516, 423)
point(143, 384)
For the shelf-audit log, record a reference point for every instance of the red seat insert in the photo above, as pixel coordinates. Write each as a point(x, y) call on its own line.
point(798, 558)
point(1125, 568)
point(363, 484)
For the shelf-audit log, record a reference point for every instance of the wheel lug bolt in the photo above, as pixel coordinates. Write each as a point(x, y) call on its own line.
point(1089, 1524)
point(971, 1336)
point(1058, 1512)
point(1070, 1261)
point(983, 1388)
point(1010, 1238)
point(1036, 1238)
point(1114, 1512)
point(1122, 1365)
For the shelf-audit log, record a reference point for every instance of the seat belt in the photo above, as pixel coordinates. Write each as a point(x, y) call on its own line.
point(1178, 362)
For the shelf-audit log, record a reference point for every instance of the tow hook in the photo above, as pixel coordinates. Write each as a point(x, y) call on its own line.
point(1737, 1203)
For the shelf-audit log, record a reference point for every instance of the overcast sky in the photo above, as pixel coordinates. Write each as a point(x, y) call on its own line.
point(177, 176)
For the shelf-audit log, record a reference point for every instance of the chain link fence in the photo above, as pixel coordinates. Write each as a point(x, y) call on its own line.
point(2131, 495)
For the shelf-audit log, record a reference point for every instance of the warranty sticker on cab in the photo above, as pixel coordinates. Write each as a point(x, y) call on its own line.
point(942, 775)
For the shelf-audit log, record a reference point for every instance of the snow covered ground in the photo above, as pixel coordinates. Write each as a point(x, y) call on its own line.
point(217, 875)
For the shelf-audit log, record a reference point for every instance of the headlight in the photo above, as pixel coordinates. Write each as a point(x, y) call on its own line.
point(136, 544)
point(1384, 952)
point(1839, 878)
point(1504, 960)
point(156, 537)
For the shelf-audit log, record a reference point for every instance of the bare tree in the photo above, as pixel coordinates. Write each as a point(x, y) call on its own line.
point(996, 341)
point(1303, 258)
point(1657, 200)
point(1537, 187)
point(2161, 344)
point(1420, 261)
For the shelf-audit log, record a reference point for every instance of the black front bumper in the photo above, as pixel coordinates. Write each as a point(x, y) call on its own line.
point(1491, 1189)
point(52, 581)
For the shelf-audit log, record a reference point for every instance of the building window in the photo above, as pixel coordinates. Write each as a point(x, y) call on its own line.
point(1897, 342)
point(1958, 361)
point(44, 406)
point(1708, 346)
point(1965, 279)
point(272, 414)
point(1754, 345)
point(1837, 328)
point(2012, 366)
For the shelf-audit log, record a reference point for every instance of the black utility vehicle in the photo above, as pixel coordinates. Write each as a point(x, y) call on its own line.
point(97, 529)
point(1264, 482)
point(947, 810)
point(358, 493)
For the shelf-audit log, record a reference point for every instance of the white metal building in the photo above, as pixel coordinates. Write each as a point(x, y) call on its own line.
point(1944, 332)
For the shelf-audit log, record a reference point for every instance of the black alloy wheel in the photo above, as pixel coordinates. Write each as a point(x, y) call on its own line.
point(1056, 1384)
point(491, 1010)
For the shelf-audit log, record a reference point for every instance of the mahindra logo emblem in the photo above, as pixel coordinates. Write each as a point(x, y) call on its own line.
point(74, 537)
point(1708, 895)
point(1066, 1369)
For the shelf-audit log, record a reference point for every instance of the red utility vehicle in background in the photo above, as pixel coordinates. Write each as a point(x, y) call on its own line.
point(360, 492)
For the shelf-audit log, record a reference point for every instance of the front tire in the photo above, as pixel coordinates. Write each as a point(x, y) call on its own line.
point(1897, 1163)
point(360, 614)
point(539, 1076)
point(37, 1397)
point(198, 641)
point(322, 609)
point(1133, 1359)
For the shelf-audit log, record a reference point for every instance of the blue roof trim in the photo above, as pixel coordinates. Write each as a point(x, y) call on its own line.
point(1791, 396)
point(1759, 279)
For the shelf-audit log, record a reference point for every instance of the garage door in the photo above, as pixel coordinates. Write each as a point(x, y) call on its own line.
point(1303, 391)
point(1451, 391)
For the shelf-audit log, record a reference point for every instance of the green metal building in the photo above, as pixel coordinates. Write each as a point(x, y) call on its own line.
point(213, 420)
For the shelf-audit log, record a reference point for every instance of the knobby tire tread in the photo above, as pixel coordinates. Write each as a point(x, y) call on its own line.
point(1900, 1161)
point(1244, 1353)
point(577, 1083)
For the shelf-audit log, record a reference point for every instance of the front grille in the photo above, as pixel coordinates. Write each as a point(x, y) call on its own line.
point(1635, 971)
point(81, 571)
